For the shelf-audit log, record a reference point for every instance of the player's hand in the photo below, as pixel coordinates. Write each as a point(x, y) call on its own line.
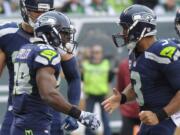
point(89, 120)
point(69, 124)
point(113, 102)
point(148, 118)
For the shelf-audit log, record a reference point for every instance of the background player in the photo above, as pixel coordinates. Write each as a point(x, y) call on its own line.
point(177, 28)
point(12, 37)
point(155, 73)
point(177, 22)
point(37, 68)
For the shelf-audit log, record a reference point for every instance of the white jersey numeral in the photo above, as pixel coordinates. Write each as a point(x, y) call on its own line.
point(135, 76)
point(21, 79)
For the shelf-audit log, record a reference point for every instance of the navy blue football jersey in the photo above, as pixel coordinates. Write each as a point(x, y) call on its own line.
point(12, 37)
point(155, 74)
point(29, 109)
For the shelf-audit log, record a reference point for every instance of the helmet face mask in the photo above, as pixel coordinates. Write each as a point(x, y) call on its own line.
point(56, 30)
point(137, 22)
point(68, 42)
point(121, 37)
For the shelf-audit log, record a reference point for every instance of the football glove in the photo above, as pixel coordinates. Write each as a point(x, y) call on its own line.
point(89, 120)
point(69, 124)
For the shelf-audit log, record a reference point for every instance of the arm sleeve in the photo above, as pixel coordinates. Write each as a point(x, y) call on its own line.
point(72, 75)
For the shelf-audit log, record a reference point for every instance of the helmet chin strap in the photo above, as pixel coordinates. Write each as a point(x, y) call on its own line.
point(131, 45)
point(142, 34)
point(45, 39)
point(30, 22)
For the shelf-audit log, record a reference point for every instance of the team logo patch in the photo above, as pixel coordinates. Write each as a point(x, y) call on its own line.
point(49, 54)
point(28, 132)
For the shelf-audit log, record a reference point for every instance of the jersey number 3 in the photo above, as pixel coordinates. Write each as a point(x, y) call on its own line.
point(135, 76)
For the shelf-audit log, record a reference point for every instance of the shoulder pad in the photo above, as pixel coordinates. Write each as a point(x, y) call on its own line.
point(163, 52)
point(8, 28)
point(47, 56)
point(9, 25)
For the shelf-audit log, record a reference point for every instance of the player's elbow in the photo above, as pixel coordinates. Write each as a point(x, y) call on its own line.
point(45, 97)
point(48, 96)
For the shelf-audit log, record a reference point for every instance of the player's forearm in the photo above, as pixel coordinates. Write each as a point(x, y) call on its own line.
point(174, 105)
point(74, 91)
point(72, 76)
point(129, 92)
point(2, 61)
point(57, 102)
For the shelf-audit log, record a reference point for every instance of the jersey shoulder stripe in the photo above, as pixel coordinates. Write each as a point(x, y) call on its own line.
point(156, 58)
point(8, 28)
point(9, 25)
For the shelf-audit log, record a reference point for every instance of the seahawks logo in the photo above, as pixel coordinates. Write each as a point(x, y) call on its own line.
point(144, 17)
point(46, 20)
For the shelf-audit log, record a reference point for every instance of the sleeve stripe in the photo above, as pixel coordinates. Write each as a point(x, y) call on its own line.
point(41, 60)
point(6, 31)
point(56, 60)
point(156, 58)
point(176, 55)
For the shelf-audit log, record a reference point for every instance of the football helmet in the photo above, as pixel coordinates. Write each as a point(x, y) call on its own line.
point(137, 21)
point(177, 22)
point(39, 6)
point(56, 30)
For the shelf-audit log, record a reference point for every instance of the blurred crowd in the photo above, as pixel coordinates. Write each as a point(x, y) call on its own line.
point(97, 7)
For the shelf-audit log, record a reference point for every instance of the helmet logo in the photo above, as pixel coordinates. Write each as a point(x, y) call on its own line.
point(137, 17)
point(145, 18)
point(43, 7)
point(47, 20)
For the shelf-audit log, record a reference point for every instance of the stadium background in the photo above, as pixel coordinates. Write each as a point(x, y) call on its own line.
point(92, 30)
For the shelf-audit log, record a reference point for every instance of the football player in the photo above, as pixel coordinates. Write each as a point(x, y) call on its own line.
point(12, 37)
point(177, 22)
point(37, 67)
point(155, 74)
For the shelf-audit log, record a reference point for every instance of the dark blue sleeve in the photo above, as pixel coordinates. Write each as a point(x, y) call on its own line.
point(72, 75)
point(172, 73)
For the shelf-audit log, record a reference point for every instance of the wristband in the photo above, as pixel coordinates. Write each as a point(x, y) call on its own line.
point(161, 115)
point(123, 98)
point(74, 112)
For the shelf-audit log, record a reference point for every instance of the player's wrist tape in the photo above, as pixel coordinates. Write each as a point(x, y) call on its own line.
point(123, 98)
point(161, 115)
point(75, 112)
